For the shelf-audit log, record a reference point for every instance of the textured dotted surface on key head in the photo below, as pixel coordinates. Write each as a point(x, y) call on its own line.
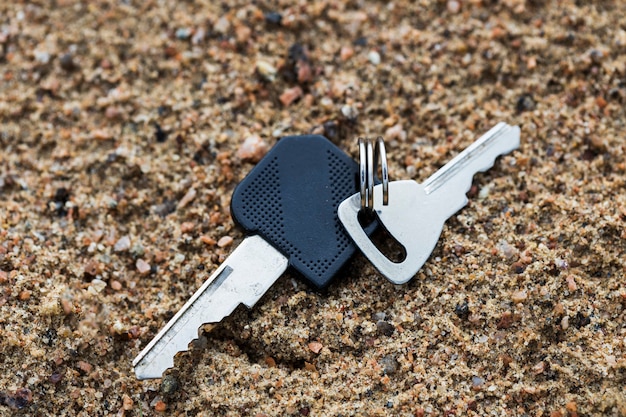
point(291, 197)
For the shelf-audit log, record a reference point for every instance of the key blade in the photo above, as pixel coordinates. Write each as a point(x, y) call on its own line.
point(478, 157)
point(243, 278)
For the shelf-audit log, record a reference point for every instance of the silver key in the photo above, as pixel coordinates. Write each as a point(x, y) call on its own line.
point(246, 275)
point(416, 213)
point(288, 203)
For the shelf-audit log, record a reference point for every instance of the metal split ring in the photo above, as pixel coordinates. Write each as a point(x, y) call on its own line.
point(369, 154)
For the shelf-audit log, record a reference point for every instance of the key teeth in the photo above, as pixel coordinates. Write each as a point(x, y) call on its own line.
point(148, 367)
point(144, 373)
point(505, 128)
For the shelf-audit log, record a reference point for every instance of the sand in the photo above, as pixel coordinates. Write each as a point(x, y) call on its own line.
point(125, 126)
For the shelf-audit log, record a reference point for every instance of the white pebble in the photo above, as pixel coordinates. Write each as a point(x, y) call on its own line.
point(349, 112)
point(142, 266)
point(454, 6)
point(252, 149)
point(508, 251)
point(484, 192)
point(97, 285)
point(374, 57)
point(122, 244)
point(222, 25)
point(266, 70)
point(42, 57)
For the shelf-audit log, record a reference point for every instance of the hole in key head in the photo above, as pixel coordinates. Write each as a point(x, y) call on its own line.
point(381, 238)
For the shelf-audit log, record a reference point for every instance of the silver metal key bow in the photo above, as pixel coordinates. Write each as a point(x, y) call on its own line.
point(415, 213)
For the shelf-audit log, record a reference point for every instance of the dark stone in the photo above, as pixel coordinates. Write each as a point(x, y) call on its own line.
point(389, 364)
point(169, 385)
point(67, 62)
point(580, 320)
point(385, 328)
point(273, 18)
point(159, 134)
point(61, 196)
point(462, 310)
point(362, 41)
point(49, 336)
point(331, 130)
point(525, 103)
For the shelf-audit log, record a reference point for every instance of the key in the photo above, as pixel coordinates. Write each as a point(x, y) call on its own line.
point(288, 206)
point(415, 213)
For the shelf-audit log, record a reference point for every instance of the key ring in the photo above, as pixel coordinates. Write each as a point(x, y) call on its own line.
point(368, 166)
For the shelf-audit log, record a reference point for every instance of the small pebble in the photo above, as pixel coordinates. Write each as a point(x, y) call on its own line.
point(519, 296)
point(525, 103)
point(477, 382)
point(127, 402)
point(142, 266)
point(85, 366)
point(290, 95)
point(379, 316)
point(395, 132)
point(222, 25)
point(207, 240)
point(137, 250)
point(183, 33)
point(55, 378)
point(160, 406)
point(315, 347)
point(159, 134)
point(123, 244)
point(243, 33)
point(462, 310)
point(453, 6)
point(374, 57)
point(266, 70)
point(187, 198)
point(273, 18)
point(571, 407)
point(571, 283)
point(116, 285)
point(169, 384)
point(253, 149)
point(198, 36)
point(350, 112)
point(346, 52)
point(389, 364)
point(67, 62)
point(508, 251)
point(187, 227)
point(539, 368)
point(42, 57)
point(18, 400)
point(225, 241)
point(96, 286)
point(385, 328)
point(113, 112)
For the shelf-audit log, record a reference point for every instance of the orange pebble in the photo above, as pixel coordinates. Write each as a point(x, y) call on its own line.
point(160, 406)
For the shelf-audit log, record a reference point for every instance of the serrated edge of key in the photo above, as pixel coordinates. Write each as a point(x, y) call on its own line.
point(175, 324)
point(247, 288)
point(435, 181)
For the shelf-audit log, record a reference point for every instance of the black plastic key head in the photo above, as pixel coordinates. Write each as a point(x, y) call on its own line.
point(290, 199)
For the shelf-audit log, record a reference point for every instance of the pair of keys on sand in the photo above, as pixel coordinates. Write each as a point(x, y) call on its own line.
point(300, 207)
